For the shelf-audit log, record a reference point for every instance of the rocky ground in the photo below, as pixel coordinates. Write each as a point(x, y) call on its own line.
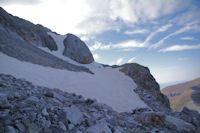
point(25, 107)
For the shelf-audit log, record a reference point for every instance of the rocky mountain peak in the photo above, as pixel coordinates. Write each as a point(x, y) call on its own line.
point(145, 81)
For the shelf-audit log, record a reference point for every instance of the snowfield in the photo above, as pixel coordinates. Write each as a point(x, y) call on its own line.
point(106, 85)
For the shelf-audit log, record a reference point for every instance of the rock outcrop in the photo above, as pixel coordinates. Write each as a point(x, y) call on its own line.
point(25, 107)
point(28, 31)
point(77, 50)
point(145, 81)
point(12, 44)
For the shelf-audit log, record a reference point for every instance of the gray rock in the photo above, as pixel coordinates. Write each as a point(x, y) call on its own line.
point(32, 100)
point(32, 128)
point(10, 129)
point(20, 127)
point(70, 126)
point(44, 112)
point(26, 30)
point(4, 103)
point(56, 130)
point(49, 94)
point(99, 128)
point(151, 118)
point(143, 78)
point(181, 125)
point(72, 114)
point(190, 116)
point(87, 116)
point(62, 126)
point(77, 50)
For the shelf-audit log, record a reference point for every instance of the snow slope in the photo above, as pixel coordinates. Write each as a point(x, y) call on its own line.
point(107, 85)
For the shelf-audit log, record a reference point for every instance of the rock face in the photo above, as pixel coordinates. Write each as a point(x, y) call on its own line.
point(29, 32)
point(77, 50)
point(145, 81)
point(12, 44)
point(31, 108)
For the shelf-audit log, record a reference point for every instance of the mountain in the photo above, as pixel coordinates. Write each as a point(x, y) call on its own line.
point(51, 83)
point(184, 95)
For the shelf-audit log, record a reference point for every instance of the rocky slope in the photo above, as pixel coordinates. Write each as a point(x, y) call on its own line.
point(25, 107)
point(11, 40)
point(185, 94)
point(26, 30)
point(129, 98)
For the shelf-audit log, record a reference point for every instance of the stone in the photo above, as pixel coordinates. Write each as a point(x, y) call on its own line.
point(4, 103)
point(44, 112)
point(20, 127)
point(32, 100)
point(10, 129)
point(49, 94)
point(70, 126)
point(99, 128)
point(77, 50)
point(72, 114)
point(62, 125)
point(32, 128)
point(28, 31)
point(57, 130)
point(190, 116)
point(151, 118)
point(181, 125)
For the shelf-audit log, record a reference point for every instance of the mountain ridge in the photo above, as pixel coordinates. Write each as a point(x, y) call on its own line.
point(129, 98)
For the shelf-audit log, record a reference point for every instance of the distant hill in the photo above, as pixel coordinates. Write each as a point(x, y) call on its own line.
point(184, 94)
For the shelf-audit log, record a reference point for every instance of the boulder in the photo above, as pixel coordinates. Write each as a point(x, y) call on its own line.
point(77, 50)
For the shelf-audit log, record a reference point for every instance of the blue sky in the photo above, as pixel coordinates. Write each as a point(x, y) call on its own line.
point(161, 34)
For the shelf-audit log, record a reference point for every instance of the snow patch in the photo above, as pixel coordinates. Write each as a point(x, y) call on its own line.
point(107, 85)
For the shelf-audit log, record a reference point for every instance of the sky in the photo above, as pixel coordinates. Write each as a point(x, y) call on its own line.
point(163, 35)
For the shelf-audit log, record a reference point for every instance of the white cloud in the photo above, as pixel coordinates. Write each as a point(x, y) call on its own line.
point(129, 44)
point(187, 17)
point(26, 2)
point(180, 48)
point(190, 26)
point(96, 56)
point(161, 29)
point(187, 38)
point(132, 59)
point(89, 16)
point(139, 31)
point(112, 14)
point(84, 38)
point(99, 46)
point(119, 61)
point(61, 16)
